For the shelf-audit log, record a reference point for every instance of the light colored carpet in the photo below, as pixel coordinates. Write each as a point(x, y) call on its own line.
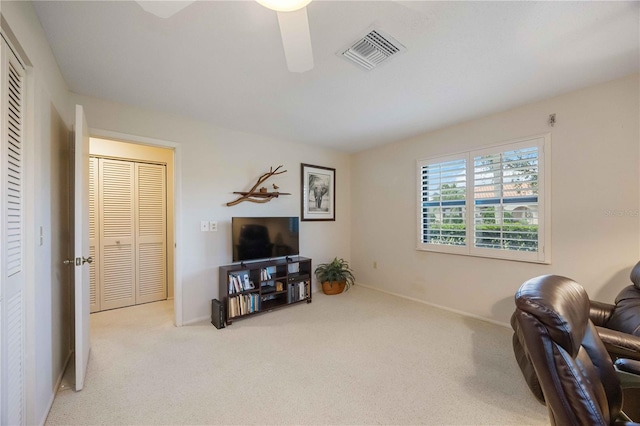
point(362, 357)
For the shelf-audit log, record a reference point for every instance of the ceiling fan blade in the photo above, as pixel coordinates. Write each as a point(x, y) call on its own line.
point(164, 9)
point(296, 39)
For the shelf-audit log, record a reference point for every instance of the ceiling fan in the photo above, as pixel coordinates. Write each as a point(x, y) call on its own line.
point(292, 19)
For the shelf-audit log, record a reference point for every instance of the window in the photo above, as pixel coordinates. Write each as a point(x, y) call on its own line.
point(488, 202)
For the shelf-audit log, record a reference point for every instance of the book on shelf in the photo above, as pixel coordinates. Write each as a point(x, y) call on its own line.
point(297, 291)
point(265, 274)
point(243, 304)
point(233, 284)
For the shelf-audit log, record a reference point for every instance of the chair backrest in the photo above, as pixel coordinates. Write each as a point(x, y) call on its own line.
point(575, 372)
point(626, 314)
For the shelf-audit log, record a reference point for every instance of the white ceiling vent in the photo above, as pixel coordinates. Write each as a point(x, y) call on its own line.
point(372, 49)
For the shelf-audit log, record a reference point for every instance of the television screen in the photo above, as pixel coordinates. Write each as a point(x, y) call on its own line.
point(264, 237)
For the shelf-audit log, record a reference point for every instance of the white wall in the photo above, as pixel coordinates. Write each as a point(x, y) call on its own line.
point(595, 169)
point(48, 124)
point(216, 162)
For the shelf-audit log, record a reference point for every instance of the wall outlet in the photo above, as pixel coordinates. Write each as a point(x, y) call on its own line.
point(213, 225)
point(204, 225)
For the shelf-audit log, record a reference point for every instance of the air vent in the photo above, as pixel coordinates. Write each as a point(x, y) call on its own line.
point(372, 49)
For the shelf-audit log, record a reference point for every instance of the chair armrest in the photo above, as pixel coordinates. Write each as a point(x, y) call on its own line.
point(600, 312)
point(628, 372)
point(628, 366)
point(620, 345)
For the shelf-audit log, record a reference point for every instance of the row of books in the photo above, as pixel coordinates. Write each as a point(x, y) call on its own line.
point(297, 291)
point(244, 304)
point(239, 283)
point(265, 274)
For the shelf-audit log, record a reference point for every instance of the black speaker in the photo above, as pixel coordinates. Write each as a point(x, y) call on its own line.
point(217, 313)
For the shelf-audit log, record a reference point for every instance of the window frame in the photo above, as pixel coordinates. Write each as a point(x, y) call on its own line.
point(543, 254)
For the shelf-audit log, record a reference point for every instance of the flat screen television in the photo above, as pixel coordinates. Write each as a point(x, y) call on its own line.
point(256, 238)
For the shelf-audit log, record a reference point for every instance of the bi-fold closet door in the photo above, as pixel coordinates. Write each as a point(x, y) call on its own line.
point(127, 233)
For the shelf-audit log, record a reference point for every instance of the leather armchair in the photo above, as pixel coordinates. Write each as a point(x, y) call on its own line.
point(573, 368)
point(619, 324)
point(612, 322)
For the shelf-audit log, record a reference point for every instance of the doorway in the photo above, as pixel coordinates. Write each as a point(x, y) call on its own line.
point(131, 224)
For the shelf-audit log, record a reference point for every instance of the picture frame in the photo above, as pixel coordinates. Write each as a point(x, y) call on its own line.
point(318, 198)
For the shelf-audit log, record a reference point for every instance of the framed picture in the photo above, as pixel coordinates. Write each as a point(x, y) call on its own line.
point(318, 193)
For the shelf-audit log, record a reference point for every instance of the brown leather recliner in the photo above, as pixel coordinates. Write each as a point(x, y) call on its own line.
point(574, 370)
point(619, 324)
point(616, 325)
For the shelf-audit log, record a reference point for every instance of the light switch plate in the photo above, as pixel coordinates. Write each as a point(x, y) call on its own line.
point(213, 225)
point(204, 225)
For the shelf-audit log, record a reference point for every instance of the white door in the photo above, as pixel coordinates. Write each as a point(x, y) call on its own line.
point(81, 246)
point(12, 241)
point(151, 233)
point(130, 227)
point(117, 237)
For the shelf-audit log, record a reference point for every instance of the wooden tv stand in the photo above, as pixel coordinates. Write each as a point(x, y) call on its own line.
point(251, 288)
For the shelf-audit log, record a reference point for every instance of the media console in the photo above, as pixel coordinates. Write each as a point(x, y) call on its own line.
point(247, 289)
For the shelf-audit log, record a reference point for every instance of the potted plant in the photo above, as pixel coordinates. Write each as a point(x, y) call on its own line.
point(335, 276)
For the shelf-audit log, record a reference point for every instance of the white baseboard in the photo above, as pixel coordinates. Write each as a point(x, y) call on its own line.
point(445, 308)
point(192, 321)
point(55, 389)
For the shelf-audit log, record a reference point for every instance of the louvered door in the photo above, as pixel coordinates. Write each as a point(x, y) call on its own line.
point(12, 331)
point(94, 229)
point(128, 229)
point(117, 249)
point(151, 224)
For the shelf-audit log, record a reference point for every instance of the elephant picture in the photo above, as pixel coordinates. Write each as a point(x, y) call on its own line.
point(318, 193)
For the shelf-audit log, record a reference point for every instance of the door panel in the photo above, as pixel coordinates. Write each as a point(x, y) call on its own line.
point(151, 226)
point(12, 241)
point(81, 246)
point(94, 227)
point(117, 254)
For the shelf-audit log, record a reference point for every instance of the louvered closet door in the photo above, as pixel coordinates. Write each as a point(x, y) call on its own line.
point(117, 245)
point(151, 226)
point(12, 330)
point(94, 233)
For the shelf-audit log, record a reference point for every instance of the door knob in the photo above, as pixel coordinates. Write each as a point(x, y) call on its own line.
point(68, 262)
point(88, 260)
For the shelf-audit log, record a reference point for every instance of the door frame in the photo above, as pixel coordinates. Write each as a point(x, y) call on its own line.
point(177, 204)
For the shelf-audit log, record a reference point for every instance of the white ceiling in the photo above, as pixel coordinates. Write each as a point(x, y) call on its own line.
point(223, 62)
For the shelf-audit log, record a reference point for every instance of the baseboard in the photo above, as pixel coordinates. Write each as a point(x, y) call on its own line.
point(55, 388)
point(445, 308)
point(193, 321)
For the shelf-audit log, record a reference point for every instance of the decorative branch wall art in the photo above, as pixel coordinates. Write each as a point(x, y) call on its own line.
point(261, 195)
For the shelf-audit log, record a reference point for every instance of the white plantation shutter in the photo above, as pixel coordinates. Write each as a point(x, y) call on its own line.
point(12, 331)
point(117, 254)
point(497, 208)
point(151, 225)
point(506, 199)
point(94, 236)
point(443, 202)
